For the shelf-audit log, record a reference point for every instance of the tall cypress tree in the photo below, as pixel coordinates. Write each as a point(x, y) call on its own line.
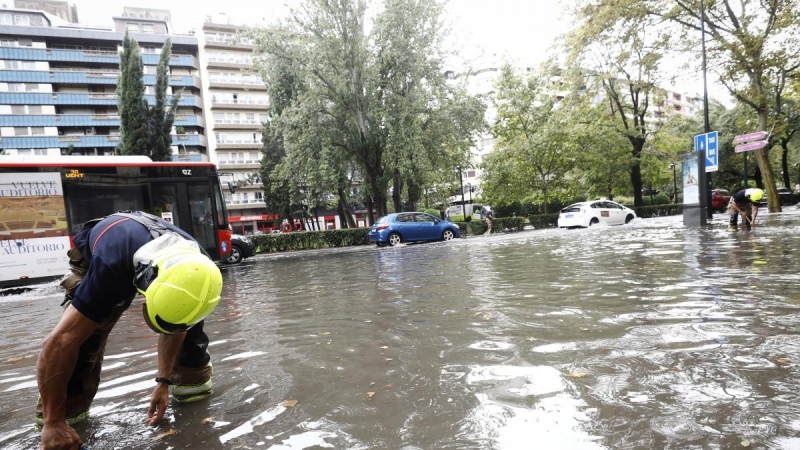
point(133, 110)
point(161, 118)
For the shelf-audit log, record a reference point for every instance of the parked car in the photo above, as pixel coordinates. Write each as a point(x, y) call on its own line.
point(785, 194)
point(393, 229)
point(586, 214)
point(720, 199)
point(241, 247)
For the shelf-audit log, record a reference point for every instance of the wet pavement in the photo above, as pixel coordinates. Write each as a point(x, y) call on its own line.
point(648, 335)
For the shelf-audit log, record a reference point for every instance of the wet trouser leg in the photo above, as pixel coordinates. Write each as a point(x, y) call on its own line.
point(192, 372)
point(85, 379)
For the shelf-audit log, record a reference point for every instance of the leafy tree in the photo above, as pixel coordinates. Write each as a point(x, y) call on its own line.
point(133, 109)
point(533, 148)
point(618, 54)
point(755, 47)
point(276, 189)
point(161, 117)
point(364, 109)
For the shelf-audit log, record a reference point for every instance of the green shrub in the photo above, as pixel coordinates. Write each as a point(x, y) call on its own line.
point(433, 212)
point(501, 224)
point(540, 221)
point(307, 240)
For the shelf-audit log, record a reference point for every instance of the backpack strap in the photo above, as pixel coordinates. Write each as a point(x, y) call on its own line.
point(149, 221)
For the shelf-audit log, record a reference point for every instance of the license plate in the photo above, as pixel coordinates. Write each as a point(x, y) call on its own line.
point(569, 216)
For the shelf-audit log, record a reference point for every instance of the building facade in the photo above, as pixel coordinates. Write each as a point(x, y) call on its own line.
point(58, 84)
point(237, 107)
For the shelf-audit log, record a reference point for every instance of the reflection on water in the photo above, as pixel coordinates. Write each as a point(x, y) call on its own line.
point(642, 336)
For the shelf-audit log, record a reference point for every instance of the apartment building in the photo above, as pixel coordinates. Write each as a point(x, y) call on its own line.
point(58, 81)
point(237, 106)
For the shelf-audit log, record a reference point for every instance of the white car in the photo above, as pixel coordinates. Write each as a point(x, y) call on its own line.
point(586, 214)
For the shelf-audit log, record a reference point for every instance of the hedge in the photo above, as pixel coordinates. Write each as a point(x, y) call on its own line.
point(307, 240)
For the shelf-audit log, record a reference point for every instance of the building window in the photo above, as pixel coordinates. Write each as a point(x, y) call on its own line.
point(133, 27)
point(17, 109)
point(22, 20)
point(11, 64)
point(21, 131)
point(148, 28)
point(34, 109)
point(6, 19)
point(37, 131)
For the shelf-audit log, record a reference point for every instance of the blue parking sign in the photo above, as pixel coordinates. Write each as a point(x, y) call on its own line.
point(708, 143)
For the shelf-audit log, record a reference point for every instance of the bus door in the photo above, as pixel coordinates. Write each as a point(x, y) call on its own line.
point(188, 205)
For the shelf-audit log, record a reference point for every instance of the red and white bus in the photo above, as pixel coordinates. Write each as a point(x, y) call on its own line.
point(44, 201)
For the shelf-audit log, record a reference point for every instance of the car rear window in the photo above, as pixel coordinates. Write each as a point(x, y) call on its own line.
point(572, 208)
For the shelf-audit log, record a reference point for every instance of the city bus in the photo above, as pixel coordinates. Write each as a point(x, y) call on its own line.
point(45, 200)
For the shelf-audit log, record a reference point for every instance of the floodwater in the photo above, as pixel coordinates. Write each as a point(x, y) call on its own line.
point(648, 335)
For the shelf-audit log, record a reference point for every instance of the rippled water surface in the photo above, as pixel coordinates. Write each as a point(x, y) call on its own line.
point(649, 335)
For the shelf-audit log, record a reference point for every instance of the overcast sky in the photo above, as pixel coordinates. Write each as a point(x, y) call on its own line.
point(517, 31)
point(518, 28)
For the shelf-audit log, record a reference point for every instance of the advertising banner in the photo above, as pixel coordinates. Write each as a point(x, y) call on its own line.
point(34, 236)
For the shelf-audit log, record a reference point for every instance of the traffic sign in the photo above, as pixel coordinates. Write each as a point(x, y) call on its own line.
point(708, 143)
point(755, 136)
point(750, 146)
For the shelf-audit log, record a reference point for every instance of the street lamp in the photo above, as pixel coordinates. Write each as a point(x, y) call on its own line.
point(461, 181)
point(674, 184)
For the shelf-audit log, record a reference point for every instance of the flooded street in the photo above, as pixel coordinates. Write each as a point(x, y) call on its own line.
point(648, 335)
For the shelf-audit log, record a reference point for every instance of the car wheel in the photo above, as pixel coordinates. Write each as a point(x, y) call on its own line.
point(629, 218)
point(594, 221)
point(394, 239)
point(448, 235)
point(236, 255)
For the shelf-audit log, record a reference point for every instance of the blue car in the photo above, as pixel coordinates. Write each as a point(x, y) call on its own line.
point(395, 228)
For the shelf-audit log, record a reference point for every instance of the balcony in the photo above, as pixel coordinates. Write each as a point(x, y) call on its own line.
point(238, 125)
point(239, 165)
point(238, 205)
point(190, 157)
point(237, 83)
point(55, 98)
point(241, 105)
point(87, 56)
point(84, 120)
point(228, 64)
point(82, 141)
point(238, 145)
point(87, 76)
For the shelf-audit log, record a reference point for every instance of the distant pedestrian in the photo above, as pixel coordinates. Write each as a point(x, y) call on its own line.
point(489, 220)
point(447, 215)
point(744, 202)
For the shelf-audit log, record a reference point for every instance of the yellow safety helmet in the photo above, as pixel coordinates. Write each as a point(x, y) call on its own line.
point(181, 287)
point(754, 194)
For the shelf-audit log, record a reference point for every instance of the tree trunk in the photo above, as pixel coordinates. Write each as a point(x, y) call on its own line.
point(344, 208)
point(762, 158)
point(397, 184)
point(636, 169)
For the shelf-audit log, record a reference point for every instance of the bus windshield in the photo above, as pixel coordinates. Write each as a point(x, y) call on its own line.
point(44, 203)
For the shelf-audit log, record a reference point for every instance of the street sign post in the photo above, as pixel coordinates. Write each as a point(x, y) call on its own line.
point(749, 142)
point(750, 146)
point(708, 144)
point(755, 136)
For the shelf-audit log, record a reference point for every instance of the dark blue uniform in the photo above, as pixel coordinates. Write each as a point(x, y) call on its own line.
point(744, 203)
point(109, 247)
point(104, 293)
